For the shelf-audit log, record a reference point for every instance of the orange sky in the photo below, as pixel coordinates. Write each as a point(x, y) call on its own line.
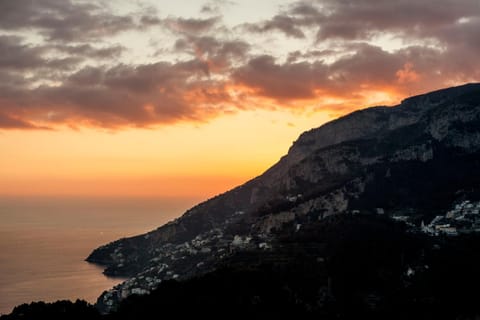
point(185, 160)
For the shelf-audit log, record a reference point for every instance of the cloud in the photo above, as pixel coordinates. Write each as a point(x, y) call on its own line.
point(368, 67)
point(63, 20)
point(363, 19)
point(49, 62)
point(60, 82)
point(15, 55)
point(143, 96)
point(216, 55)
point(191, 25)
point(288, 25)
point(280, 81)
point(368, 71)
point(18, 57)
point(8, 122)
point(215, 6)
point(439, 41)
point(407, 74)
point(291, 22)
point(89, 51)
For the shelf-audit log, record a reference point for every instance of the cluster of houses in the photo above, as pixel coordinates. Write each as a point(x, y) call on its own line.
point(462, 219)
point(202, 251)
point(175, 261)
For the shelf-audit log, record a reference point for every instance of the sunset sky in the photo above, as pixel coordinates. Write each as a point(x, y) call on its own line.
point(193, 97)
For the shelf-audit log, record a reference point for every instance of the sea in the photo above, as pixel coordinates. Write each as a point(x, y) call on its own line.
point(44, 242)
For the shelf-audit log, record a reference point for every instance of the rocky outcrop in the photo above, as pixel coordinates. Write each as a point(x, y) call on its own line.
point(388, 158)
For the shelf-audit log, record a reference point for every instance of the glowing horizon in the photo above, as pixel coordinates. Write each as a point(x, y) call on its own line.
point(174, 161)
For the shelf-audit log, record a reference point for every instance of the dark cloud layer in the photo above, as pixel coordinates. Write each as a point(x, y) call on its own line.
point(113, 97)
point(75, 77)
point(62, 20)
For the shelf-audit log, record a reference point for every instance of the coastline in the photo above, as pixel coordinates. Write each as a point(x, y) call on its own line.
point(44, 242)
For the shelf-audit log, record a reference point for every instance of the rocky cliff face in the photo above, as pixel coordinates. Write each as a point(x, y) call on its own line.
point(413, 158)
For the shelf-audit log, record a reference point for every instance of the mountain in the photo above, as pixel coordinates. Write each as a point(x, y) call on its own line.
point(414, 159)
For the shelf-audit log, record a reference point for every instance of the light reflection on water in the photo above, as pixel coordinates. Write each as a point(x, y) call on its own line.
point(44, 241)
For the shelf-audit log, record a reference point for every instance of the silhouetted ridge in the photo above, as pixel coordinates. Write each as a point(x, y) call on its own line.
point(414, 159)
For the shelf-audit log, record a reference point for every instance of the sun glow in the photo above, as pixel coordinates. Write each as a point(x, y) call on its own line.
point(182, 160)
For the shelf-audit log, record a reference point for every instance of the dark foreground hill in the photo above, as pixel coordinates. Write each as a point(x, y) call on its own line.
point(342, 267)
point(414, 159)
point(313, 235)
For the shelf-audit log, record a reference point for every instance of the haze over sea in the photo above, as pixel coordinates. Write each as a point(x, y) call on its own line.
point(44, 241)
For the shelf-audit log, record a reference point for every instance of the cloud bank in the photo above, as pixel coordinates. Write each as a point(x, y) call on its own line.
point(78, 64)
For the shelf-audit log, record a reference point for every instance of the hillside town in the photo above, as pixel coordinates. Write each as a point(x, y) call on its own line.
point(180, 261)
point(463, 218)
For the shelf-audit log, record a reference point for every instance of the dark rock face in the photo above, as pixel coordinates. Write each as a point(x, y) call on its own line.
point(414, 158)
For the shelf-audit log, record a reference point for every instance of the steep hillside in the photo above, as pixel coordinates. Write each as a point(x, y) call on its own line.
point(415, 158)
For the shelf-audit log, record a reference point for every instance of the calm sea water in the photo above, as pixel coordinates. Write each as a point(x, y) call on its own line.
point(44, 241)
